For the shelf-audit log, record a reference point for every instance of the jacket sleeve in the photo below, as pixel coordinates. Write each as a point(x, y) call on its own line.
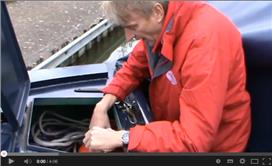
point(204, 78)
point(130, 75)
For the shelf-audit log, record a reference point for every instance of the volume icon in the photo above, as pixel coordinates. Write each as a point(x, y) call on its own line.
point(27, 161)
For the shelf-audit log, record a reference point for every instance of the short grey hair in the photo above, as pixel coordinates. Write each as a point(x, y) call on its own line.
point(117, 11)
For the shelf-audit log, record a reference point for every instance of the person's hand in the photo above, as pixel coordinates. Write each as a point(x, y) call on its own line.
point(103, 140)
point(100, 114)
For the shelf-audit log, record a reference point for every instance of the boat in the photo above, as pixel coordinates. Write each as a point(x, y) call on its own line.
point(67, 93)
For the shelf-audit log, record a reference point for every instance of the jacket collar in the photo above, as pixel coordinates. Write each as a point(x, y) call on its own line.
point(177, 17)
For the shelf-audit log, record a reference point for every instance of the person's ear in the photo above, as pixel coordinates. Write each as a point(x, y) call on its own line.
point(158, 12)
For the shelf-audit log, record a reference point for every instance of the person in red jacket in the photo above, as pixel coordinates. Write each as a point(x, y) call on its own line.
point(194, 57)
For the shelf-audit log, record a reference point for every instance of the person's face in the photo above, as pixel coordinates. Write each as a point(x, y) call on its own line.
point(147, 28)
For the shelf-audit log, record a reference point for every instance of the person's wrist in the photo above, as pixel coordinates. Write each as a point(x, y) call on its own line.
point(118, 138)
point(125, 138)
point(122, 138)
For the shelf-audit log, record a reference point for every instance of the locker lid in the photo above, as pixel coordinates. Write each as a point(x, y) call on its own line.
point(15, 84)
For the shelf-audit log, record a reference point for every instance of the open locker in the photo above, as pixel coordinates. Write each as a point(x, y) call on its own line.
point(59, 124)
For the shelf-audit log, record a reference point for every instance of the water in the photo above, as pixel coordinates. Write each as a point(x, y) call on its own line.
point(101, 50)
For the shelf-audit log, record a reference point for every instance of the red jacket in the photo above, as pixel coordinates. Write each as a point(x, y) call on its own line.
point(197, 89)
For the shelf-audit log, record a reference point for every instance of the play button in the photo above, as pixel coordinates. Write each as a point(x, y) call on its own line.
point(10, 161)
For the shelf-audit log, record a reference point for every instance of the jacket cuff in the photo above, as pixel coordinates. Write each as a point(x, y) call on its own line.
point(116, 91)
point(135, 137)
